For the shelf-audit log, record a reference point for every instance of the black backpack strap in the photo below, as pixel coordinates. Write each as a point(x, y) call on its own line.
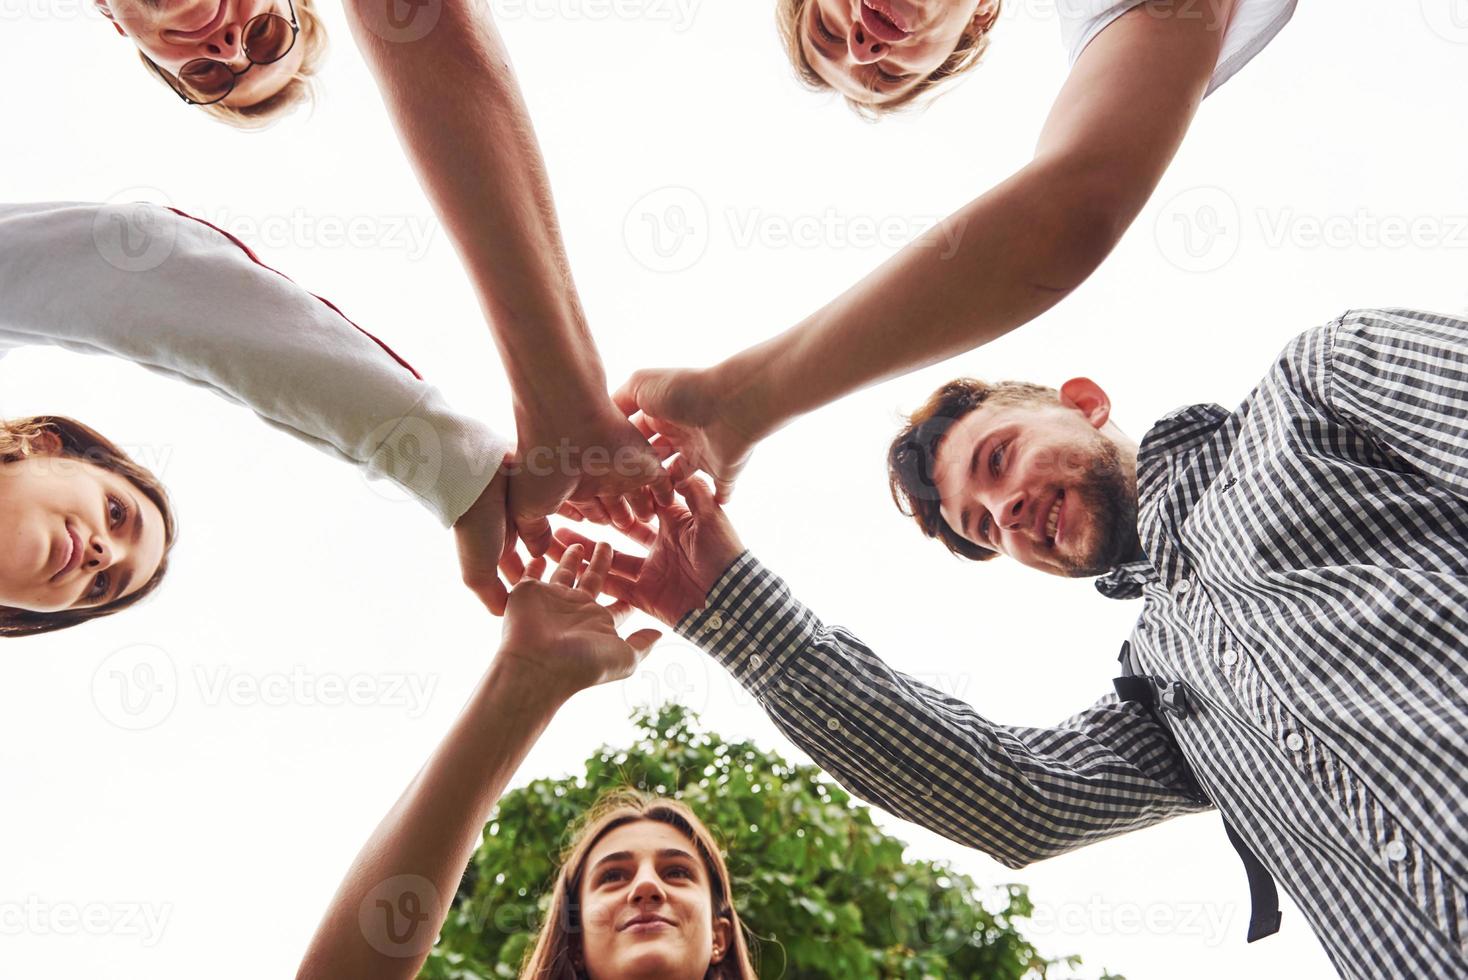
point(1162, 699)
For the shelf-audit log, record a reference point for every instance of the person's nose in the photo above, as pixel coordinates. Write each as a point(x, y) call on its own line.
point(227, 43)
point(1012, 513)
point(647, 890)
point(865, 49)
point(100, 554)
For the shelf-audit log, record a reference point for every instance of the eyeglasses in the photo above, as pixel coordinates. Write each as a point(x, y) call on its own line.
point(265, 40)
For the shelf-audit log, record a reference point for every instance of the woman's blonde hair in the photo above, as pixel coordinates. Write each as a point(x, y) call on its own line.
point(790, 16)
point(23, 438)
point(297, 92)
point(557, 953)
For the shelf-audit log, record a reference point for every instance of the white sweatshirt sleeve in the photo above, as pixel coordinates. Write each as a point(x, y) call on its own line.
point(182, 298)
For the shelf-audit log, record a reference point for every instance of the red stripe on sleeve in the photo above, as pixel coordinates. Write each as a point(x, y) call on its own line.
point(328, 303)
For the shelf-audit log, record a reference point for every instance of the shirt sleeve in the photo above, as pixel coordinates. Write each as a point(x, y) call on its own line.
point(1018, 794)
point(1401, 377)
point(180, 297)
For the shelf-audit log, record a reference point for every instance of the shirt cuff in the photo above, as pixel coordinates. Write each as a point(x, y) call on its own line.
point(751, 624)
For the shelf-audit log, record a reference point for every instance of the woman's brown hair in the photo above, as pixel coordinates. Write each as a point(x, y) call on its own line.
point(557, 951)
point(22, 438)
point(790, 15)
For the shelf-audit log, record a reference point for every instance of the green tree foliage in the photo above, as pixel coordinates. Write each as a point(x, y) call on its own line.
point(825, 893)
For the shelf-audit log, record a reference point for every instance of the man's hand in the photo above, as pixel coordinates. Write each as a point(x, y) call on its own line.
point(558, 632)
point(484, 537)
point(689, 411)
point(687, 552)
point(604, 467)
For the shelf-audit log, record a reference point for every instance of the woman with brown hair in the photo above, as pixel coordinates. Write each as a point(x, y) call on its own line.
point(643, 890)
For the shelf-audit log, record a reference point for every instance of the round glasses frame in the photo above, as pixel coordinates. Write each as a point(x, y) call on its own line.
point(245, 32)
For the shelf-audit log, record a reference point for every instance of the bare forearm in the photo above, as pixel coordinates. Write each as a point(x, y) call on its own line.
point(384, 918)
point(993, 266)
point(454, 100)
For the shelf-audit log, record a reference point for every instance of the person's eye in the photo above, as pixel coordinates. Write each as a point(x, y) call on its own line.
point(116, 511)
point(610, 874)
point(99, 586)
point(996, 458)
point(984, 527)
point(825, 32)
point(681, 870)
point(890, 78)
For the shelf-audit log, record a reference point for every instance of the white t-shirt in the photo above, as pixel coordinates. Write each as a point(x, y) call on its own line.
point(182, 298)
point(1254, 25)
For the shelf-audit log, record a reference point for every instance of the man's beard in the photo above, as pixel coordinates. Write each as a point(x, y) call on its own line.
point(1108, 493)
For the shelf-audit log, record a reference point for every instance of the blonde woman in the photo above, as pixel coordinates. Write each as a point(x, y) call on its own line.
point(643, 890)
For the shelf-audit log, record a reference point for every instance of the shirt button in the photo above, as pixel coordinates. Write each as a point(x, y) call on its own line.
point(714, 622)
point(832, 724)
point(1183, 588)
point(756, 660)
point(1230, 657)
point(1295, 742)
point(1395, 851)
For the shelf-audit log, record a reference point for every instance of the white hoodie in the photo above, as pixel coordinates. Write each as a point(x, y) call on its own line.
point(185, 299)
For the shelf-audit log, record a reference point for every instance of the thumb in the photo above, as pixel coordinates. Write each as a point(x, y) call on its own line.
point(494, 595)
point(725, 491)
point(627, 398)
point(700, 498)
point(643, 641)
point(536, 533)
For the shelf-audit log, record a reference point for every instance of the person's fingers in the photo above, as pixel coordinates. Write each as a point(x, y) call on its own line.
point(619, 588)
point(620, 610)
point(567, 567)
point(643, 641)
point(724, 490)
point(494, 595)
point(513, 567)
point(644, 426)
point(680, 469)
point(596, 570)
point(622, 563)
point(535, 532)
point(662, 486)
point(571, 512)
point(662, 446)
point(628, 398)
point(535, 571)
point(643, 505)
point(594, 511)
point(700, 498)
point(618, 511)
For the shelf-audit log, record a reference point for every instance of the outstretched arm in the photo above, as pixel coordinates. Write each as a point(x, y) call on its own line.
point(388, 910)
point(450, 89)
point(1019, 794)
point(996, 264)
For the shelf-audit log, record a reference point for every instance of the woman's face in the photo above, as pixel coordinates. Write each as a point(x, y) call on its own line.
point(873, 51)
point(175, 32)
point(73, 534)
point(647, 907)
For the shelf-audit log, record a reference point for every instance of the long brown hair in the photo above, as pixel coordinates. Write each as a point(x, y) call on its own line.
point(557, 950)
point(20, 438)
point(790, 14)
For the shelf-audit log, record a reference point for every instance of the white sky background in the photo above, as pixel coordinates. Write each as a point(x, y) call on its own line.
point(230, 820)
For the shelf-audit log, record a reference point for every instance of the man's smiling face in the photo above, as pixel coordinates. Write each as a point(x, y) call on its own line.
point(1052, 486)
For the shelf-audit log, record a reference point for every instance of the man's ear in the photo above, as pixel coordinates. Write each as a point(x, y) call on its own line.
point(107, 12)
point(1086, 397)
point(47, 442)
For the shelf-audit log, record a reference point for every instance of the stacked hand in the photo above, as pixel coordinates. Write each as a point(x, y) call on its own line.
point(688, 550)
point(556, 630)
point(689, 412)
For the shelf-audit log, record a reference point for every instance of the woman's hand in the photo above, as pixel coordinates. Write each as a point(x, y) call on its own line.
point(558, 632)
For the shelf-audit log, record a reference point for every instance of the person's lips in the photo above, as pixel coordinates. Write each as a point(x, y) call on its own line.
point(205, 29)
point(883, 21)
point(71, 548)
point(645, 923)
